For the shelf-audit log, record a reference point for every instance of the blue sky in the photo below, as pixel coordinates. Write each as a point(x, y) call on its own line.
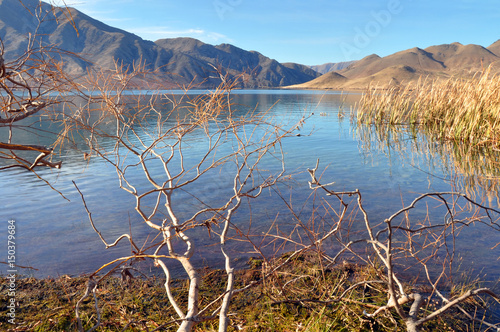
point(308, 31)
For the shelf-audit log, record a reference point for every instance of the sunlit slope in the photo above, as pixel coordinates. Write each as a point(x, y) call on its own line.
point(440, 61)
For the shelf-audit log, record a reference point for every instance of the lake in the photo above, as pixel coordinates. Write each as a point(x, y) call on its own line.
point(54, 236)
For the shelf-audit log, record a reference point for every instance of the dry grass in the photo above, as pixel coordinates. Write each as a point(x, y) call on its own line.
point(462, 110)
point(305, 295)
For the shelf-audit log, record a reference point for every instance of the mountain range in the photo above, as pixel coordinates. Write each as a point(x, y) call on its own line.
point(181, 61)
point(440, 61)
point(178, 61)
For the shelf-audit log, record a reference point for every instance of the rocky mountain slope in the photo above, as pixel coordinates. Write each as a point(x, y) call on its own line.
point(261, 71)
point(177, 61)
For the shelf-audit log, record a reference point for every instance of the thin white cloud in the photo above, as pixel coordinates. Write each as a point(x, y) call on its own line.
point(93, 8)
point(104, 11)
point(327, 41)
point(158, 32)
point(88, 7)
point(219, 37)
point(89, 2)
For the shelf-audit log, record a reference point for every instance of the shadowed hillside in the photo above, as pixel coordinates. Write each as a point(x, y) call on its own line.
point(176, 61)
point(200, 58)
point(495, 48)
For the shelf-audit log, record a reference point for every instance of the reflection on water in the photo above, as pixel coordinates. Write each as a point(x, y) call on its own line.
point(448, 166)
point(387, 166)
point(472, 170)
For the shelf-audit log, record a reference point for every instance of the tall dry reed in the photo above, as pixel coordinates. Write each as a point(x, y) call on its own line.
point(458, 109)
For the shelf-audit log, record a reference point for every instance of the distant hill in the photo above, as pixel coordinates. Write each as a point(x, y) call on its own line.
point(331, 66)
point(440, 61)
point(177, 61)
point(332, 78)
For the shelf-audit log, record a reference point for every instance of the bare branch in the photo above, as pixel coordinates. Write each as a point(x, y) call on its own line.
point(458, 300)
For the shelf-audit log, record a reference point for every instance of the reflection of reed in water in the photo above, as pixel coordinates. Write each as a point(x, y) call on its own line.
point(470, 169)
point(456, 109)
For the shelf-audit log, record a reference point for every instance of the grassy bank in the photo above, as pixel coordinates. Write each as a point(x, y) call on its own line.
point(307, 295)
point(462, 110)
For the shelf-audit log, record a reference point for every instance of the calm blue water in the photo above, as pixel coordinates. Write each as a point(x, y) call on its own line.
point(54, 235)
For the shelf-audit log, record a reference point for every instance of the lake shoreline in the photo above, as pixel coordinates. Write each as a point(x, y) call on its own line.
point(49, 303)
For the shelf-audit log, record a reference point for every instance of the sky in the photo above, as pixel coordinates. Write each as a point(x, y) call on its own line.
point(310, 32)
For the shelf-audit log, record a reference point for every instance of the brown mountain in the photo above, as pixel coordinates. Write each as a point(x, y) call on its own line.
point(495, 48)
point(415, 58)
point(329, 79)
point(440, 61)
point(458, 57)
point(177, 60)
point(393, 75)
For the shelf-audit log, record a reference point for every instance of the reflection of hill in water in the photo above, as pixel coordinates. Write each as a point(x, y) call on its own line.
point(472, 170)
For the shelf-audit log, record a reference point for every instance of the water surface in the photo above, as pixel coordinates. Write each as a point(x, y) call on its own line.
point(54, 235)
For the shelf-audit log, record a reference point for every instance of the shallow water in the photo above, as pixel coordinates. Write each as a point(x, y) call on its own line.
point(54, 235)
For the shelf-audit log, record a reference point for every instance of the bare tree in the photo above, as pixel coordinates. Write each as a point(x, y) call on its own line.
point(158, 139)
point(174, 142)
point(31, 84)
point(177, 142)
point(394, 244)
